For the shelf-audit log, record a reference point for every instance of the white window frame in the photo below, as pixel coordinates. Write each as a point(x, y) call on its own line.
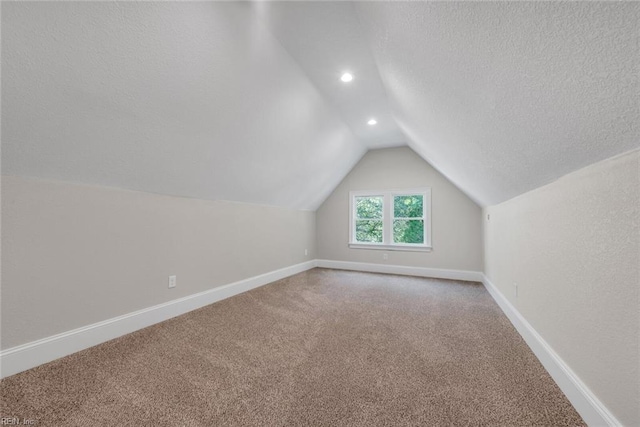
point(387, 220)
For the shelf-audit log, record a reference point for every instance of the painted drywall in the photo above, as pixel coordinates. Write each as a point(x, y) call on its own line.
point(193, 99)
point(73, 255)
point(456, 220)
point(573, 249)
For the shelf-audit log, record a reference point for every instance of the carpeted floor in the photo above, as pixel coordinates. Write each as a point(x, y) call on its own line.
point(324, 347)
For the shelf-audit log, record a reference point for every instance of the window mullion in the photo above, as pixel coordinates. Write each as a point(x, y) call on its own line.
point(353, 218)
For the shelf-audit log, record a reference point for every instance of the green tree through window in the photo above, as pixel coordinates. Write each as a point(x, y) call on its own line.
point(369, 219)
point(390, 219)
point(408, 222)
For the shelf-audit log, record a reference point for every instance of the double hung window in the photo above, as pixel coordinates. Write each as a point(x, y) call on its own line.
point(393, 220)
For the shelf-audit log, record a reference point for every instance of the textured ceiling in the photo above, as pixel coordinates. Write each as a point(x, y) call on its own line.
point(241, 101)
point(503, 97)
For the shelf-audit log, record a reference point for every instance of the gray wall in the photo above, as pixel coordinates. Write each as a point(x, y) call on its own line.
point(456, 220)
point(74, 254)
point(572, 247)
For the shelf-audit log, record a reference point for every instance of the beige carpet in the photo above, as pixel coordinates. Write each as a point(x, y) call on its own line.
point(331, 348)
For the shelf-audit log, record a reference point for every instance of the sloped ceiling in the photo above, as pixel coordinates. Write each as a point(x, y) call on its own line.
point(325, 38)
point(188, 99)
point(241, 101)
point(503, 97)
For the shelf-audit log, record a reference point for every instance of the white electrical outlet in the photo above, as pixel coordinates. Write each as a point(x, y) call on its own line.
point(172, 281)
point(385, 256)
point(306, 252)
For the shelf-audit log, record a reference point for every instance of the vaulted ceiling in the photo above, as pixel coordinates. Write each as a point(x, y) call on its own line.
point(242, 101)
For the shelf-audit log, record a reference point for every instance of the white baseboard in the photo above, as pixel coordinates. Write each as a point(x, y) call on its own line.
point(592, 411)
point(30, 355)
point(437, 273)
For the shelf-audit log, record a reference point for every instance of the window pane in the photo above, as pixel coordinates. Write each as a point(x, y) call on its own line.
point(369, 231)
point(408, 231)
point(409, 206)
point(369, 207)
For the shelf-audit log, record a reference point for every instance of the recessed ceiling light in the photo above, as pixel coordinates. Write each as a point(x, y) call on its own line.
point(346, 77)
point(372, 122)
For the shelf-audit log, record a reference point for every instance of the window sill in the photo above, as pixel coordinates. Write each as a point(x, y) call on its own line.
point(406, 248)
